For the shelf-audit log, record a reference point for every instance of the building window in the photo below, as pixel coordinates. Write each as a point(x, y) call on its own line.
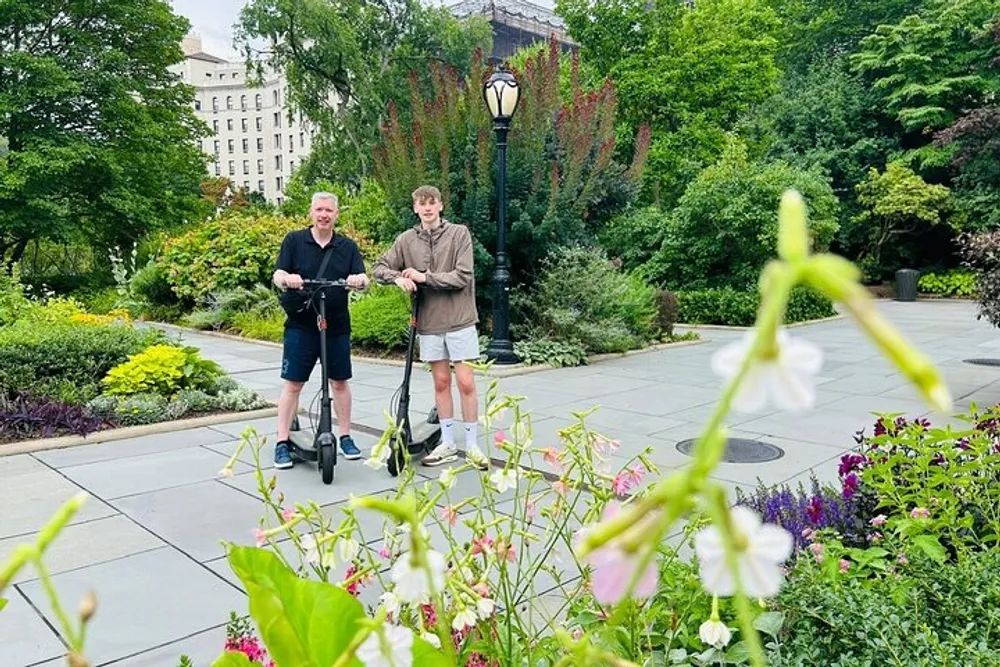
point(260, 145)
point(260, 124)
point(278, 182)
point(232, 145)
point(246, 185)
point(260, 166)
point(229, 124)
point(246, 145)
point(243, 101)
point(258, 101)
point(260, 186)
point(276, 98)
point(302, 140)
point(222, 76)
point(277, 119)
point(215, 126)
point(291, 166)
point(215, 104)
point(229, 101)
point(232, 168)
point(277, 141)
point(277, 162)
point(246, 167)
point(244, 124)
point(218, 169)
point(197, 105)
point(216, 144)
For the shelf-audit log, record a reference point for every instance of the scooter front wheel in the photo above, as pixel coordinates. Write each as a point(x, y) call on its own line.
point(325, 456)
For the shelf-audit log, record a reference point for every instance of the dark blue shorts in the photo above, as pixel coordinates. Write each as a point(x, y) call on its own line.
point(302, 352)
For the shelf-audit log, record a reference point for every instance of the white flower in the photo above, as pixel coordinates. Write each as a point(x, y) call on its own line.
point(447, 478)
point(504, 479)
point(348, 549)
point(786, 381)
point(485, 607)
point(761, 551)
point(431, 639)
point(390, 602)
point(390, 646)
point(475, 454)
point(465, 618)
point(412, 583)
point(714, 633)
point(314, 554)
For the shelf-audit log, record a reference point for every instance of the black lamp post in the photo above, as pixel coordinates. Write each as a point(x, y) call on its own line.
point(501, 94)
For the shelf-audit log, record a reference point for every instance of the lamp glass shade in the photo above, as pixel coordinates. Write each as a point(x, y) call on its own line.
point(501, 94)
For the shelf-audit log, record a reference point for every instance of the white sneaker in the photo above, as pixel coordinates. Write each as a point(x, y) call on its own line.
point(441, 454)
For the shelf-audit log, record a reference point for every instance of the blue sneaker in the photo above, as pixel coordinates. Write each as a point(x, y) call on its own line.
point(351, 451)
point(282, 456)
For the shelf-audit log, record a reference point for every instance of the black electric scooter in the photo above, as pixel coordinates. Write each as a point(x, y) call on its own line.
point(321, 447)
point(427, 434)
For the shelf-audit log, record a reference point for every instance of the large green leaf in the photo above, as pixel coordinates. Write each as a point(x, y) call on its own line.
point(930, 545)
point(232, 659)
point(303, 623)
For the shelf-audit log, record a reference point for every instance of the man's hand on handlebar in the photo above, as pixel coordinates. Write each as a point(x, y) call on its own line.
point(406, 285)
point(357, 281)
point(292, 281)
point(414, 275)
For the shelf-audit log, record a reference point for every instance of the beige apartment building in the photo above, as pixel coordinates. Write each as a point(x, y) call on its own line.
point(254, 142)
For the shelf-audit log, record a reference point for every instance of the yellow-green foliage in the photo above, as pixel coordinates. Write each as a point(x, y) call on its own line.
point(163, 370)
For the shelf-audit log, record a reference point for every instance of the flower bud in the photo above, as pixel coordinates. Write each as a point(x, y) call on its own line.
point(88, 606)
point(793, 236)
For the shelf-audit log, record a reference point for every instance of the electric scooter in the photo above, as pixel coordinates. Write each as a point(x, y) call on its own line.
point(426, 435)
point(321, 446)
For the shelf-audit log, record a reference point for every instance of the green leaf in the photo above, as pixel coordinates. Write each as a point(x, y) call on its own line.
point(3, 603)
point(930, 545)
point(303, 623)
point(769, 623)
point(738, 653)
point(232, 659)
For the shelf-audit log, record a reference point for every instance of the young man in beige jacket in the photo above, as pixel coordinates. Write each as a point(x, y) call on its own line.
point(437, 255)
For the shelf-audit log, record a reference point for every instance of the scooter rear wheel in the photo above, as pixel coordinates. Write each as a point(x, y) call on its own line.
point(397, 461)
point(325, 456)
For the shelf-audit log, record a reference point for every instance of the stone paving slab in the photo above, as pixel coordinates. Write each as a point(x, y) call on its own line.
point(148, 444)
point(25, 639)
point(145, 600)
point(84, 544)
point(30, 499)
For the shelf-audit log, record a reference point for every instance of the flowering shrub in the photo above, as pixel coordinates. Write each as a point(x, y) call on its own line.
point(163, 370)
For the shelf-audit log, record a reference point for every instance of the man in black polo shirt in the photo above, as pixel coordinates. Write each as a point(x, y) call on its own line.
point(301, 255)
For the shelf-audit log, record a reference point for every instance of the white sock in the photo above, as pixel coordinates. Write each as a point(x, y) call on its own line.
point(447, 432)
point(471, 433)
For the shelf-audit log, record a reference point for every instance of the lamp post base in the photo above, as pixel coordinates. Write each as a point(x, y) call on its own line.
point(501, 352)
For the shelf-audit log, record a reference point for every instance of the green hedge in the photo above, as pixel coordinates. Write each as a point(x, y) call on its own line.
point(381, 318)
point(66, 361)
point(730, 307)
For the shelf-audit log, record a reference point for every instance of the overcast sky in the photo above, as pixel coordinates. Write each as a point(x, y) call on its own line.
point(213, 20)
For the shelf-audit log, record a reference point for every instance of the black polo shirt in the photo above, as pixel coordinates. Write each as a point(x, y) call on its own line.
point(302, 255)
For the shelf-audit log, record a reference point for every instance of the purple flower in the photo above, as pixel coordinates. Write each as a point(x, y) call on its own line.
point(815, 510)
point(850, 486)
point(850, 463)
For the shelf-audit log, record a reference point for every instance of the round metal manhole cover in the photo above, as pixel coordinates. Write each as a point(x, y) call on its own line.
point(740, 450)
point(983, 362)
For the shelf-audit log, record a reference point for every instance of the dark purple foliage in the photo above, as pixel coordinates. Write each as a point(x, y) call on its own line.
point(30, 417)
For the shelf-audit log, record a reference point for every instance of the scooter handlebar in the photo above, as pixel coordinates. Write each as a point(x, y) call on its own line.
point(309, 282)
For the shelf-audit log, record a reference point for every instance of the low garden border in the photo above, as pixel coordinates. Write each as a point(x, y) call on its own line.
point(727, 327)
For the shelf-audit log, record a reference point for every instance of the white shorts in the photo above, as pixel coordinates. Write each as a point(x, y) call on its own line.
point(461, 345)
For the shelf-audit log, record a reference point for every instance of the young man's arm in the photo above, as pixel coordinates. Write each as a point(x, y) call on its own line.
point(387, 268)
point(461, 276)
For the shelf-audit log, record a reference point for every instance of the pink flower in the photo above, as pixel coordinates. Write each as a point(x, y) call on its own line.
point(817, 550)
point(482, 588)
point(878, 520)
point(577, 633)
point(920, 513)
point(553, 458)
point(621, 483)
point(450, 515)
point(529, 509)
point(506, 551)
point(902, 559)
point(384, 552)
point(481, 545)
point(807, 534)
point(615, 568)
point(636, 472)
point(875, 537)
point(844, 565)
point(288, 514)
point(499, 438)
point(260, 536)
point(560, 487)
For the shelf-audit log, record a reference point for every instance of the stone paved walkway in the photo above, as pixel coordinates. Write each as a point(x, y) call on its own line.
point(148, 540)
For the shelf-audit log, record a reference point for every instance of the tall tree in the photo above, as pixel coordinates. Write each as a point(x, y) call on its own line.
point(346, 61)
point(101, 136)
